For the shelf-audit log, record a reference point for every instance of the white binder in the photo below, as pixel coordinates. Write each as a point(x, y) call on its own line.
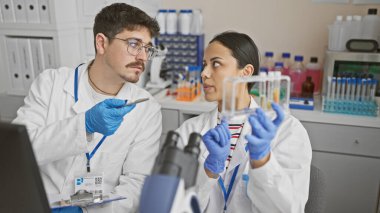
point(48, 53)
point(26, 62)
point(7, 11)
point(32, 13)
point(44, 11)
point(1, 14)
point(19, 11)
point(14, 65)
point(36, 50)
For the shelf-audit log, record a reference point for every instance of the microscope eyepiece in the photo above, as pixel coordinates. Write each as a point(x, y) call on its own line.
point(171, 139)
point(193, 145)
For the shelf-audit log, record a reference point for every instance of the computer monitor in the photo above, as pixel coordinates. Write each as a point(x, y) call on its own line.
point(21, 187)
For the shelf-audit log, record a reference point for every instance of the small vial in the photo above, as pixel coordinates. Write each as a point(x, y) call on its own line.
point(262, 90)
point(276, 86)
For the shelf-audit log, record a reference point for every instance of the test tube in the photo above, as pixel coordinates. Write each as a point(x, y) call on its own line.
point(333, 88)
point(276, 87)
point(270, 89)
point(373, 89)
point(338, 88)
point(348, 88)
point(368, 89)
point(353, 87)
point(364, 87)
point(358, 87)
point(343, 88)
point(262, 90)
point(328, 95)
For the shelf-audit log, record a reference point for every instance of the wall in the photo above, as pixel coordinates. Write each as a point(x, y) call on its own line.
point(296, 26)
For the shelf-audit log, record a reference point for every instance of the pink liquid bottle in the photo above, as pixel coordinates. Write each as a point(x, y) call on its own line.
point(297, 75)
point(287, 63)
point(313, 69)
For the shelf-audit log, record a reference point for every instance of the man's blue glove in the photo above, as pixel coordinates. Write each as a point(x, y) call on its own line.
point(217, 141)
point(263, 132)
point(106, 116)
point(70, 209)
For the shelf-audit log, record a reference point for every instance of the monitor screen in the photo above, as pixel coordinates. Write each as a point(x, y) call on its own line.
point(21, 187)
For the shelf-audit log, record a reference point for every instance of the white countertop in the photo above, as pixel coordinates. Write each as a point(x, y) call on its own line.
point(200, 105)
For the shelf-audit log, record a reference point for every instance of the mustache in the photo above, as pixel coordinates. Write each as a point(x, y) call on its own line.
point(137, 63)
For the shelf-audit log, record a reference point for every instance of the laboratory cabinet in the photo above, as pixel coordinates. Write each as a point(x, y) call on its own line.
point(349, 157)
point(36, 35)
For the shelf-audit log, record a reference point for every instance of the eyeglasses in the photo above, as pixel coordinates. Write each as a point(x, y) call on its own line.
point(134, 47)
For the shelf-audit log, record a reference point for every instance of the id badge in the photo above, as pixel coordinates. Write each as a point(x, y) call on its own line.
point(90, 182)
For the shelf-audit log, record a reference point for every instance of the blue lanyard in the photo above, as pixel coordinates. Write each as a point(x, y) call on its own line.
point(88, 155)
point(227, 193)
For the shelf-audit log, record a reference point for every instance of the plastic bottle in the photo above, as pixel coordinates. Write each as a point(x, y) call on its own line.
point(171, 22)
point(185, 17)
point(371, 25)
point(346, 32)
point(196, 22)
point(356, 27)
point(335, 32)
point(314, 70)
point(287, 63)
point(297, 75)
point(268, 61)
point(279, 66)
point(263, 70)
point(161, 19)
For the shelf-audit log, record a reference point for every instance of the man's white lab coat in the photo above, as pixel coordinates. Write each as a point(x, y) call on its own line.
point(56, 126)
point(281, 185)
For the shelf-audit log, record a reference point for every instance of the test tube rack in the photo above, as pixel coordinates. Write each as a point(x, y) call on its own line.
point(268, 92)
point(352, 107)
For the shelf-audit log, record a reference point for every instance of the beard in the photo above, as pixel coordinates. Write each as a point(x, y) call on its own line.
point(133, 77)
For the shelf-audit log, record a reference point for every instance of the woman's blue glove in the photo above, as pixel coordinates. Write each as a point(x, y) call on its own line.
point(217, 141)
point(106, 116)
point(263, 132)
point(70, 209)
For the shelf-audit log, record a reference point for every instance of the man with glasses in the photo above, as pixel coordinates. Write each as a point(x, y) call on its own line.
point(84, 134)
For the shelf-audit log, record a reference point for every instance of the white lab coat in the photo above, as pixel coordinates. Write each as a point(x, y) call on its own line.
point(56, 125)
point(281, 185)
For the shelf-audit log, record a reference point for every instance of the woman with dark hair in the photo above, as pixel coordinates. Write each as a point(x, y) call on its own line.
point(255, 164)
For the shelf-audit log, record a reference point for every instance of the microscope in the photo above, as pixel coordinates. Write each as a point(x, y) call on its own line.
point(155, 66)
point(170, 186)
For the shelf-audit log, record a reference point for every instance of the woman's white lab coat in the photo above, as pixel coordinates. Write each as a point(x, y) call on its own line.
point(56, 125)
point(281, 185)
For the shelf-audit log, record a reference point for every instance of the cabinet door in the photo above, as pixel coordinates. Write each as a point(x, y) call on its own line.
point(170, 120)
point(352, 182)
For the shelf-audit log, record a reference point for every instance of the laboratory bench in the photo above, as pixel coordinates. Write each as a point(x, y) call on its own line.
point(345, 147)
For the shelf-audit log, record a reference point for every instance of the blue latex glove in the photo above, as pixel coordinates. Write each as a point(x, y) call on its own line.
point(71, 209)
point(106, 116)
point(217, 141)
point(263, 132)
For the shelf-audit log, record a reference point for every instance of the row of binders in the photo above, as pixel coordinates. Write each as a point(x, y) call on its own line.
point(25, 11)
point(27, 57)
